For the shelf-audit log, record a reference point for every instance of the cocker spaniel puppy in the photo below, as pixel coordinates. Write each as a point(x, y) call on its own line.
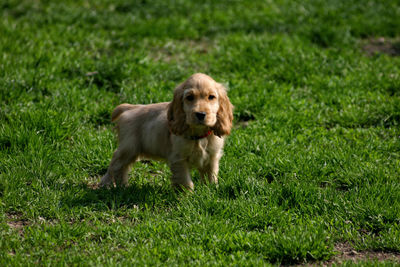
point(187, 132)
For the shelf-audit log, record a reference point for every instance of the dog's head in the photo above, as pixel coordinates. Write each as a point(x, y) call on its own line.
point(200, 103)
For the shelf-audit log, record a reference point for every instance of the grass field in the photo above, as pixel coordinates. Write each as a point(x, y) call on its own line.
point(312, 165)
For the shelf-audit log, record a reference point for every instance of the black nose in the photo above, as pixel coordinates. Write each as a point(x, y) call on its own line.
point(200, 115)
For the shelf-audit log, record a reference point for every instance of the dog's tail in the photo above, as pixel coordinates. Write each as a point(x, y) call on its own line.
point(121, 109)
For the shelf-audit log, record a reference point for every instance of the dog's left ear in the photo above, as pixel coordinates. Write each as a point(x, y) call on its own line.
point(223, 125)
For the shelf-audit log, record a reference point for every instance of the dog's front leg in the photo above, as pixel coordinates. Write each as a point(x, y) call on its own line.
point(181, 175)
point(209, 174)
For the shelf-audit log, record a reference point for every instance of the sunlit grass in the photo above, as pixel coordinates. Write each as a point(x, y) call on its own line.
point(314, 159)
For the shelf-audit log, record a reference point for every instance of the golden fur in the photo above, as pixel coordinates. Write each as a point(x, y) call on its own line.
point(187, 132)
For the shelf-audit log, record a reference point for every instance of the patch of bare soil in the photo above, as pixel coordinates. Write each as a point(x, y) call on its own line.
point(17, 224)
point(347, 253)
point(382, 45)
point(14, 221)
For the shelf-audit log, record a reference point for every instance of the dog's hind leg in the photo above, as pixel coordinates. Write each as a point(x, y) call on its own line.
point(119, 167)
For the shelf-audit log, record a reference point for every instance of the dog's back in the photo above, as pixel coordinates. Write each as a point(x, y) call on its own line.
point(144, 128)
point(121, 109)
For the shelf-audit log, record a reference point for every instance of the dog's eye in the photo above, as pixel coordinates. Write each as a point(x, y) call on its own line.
point(211, 97)
point(190, 98)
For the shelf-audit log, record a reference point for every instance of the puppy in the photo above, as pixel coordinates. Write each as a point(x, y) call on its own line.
point(187, 132)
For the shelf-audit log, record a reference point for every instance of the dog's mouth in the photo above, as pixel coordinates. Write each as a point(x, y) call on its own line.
point(201, 123)
point(202, 119)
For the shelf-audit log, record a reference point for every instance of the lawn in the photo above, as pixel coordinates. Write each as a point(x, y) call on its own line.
point(311, 167)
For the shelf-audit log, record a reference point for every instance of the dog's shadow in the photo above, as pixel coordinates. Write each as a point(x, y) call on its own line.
point(131, 196)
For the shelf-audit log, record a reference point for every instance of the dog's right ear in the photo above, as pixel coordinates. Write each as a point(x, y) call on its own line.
point(176, 115)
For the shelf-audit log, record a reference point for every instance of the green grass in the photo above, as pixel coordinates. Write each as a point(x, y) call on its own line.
point(317, 165)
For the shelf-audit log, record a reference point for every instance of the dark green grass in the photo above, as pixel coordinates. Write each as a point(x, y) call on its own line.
point(317, 164)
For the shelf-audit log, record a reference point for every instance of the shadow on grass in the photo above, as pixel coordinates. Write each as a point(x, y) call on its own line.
point(132, 196)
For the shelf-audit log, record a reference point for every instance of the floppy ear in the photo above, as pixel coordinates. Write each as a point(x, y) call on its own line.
point(225, 113)
point(176, 116)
